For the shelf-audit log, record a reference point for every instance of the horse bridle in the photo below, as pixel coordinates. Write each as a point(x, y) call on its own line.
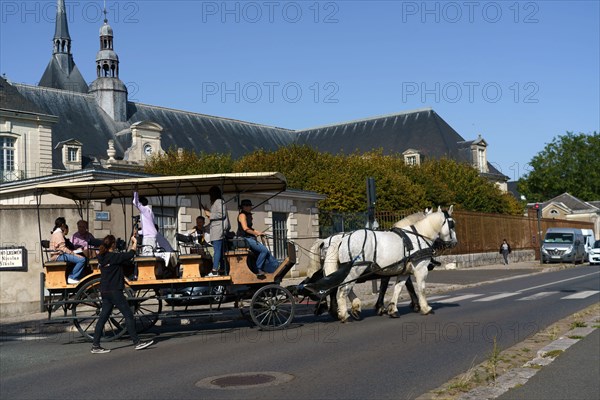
point(451, 224)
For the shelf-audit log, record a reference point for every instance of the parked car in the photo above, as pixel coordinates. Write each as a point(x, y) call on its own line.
point(595, 253)
point(563, 245)
point(588, 241)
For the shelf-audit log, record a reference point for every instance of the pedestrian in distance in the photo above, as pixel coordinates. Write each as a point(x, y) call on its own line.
point(112, 283)
point(505, 250)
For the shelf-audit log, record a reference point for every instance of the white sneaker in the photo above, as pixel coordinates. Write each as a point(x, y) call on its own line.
point(213, 273)
point(99, 350)
point(143, 345)
point(72, 281)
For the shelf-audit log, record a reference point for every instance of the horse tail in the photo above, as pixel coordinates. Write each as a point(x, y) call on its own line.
point(314, 258)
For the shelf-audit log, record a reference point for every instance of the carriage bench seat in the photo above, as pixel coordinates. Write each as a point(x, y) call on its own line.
point(145, 267)
point(56, 274)
point(194, 265)
point(239, 270)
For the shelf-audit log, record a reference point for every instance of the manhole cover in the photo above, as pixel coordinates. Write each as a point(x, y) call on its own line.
point(244, 380)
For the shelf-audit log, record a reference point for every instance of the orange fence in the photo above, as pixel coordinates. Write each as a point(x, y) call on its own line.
point(476, 232)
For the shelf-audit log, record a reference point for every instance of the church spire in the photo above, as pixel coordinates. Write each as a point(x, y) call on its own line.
point(62, 39)
point(61, 72)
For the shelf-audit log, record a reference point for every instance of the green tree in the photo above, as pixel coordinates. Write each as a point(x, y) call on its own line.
point(342, 178)
point(186, 162)
point(570, 163)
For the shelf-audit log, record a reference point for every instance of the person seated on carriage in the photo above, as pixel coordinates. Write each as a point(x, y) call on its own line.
point(201, 237)
point(82, 238)
point(68, 243)
point(265, 262)
point(60, 251)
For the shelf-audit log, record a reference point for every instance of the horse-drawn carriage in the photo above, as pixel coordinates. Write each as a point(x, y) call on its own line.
point(271, 306)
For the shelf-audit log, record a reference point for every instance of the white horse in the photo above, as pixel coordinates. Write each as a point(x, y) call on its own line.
point(323, 265)
point(382, 253)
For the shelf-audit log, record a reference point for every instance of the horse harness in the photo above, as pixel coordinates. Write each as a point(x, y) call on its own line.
point(425, 251)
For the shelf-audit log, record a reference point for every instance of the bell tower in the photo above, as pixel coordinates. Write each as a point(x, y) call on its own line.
point(110, 92)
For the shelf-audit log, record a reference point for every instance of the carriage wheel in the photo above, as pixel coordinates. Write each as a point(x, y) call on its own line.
point(272, 307)
point(87, 310)
point(146, 305)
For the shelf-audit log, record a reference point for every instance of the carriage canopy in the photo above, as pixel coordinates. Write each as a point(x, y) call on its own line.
point(244, 182)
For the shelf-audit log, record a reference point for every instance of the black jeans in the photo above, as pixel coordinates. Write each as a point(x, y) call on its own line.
point(117, 299)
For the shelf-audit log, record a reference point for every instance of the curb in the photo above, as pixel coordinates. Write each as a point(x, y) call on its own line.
point(519, 376)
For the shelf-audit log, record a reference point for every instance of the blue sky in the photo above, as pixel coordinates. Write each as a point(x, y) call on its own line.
point(518, 73)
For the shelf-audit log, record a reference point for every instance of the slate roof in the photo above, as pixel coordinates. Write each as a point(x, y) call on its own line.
point(81, 118)
point(11, 99)
point(207, 133)
point(572, 202)
point(423, 130)
point(55, 77)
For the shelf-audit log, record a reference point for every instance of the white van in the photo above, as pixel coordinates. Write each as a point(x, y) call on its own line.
point(563, 245)
point(588, 242)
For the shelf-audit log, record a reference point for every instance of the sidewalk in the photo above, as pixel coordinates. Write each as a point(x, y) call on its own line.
point(38, 323)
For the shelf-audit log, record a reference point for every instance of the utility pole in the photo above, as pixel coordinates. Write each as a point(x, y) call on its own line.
point(539, 226)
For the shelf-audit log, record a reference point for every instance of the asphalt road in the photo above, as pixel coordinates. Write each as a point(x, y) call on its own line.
point(573, 375)
point(376, 358)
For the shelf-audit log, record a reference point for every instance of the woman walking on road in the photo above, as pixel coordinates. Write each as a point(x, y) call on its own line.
point(112, 283)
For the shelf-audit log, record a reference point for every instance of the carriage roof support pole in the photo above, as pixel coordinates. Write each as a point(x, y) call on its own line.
point(87, 209)
point(38, 202)
point(177, 212)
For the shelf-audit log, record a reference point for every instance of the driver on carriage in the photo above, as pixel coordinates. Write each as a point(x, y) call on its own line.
point(265, 262)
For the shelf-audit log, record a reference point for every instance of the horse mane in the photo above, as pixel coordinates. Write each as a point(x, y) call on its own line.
point(412, 218)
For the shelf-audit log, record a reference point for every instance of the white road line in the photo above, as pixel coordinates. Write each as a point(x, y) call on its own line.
point(460, 298)
point(537, 296)
point(7, 338)
point(564, 280)
point(428, 299)
point(497, 296)
point(580, 295)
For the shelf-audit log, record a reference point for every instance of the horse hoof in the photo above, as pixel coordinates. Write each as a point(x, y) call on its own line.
point(415, 307)
point(380, 311)
point(428, 312)
point(356, 316)
point(394, 315)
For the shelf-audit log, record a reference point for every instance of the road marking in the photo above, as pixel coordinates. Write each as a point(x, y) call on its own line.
point(8, 338)
point(497, 296)
point(564, 280)
point(580, 295)
point(428, 299)
point(460, 298)
point(537, 296)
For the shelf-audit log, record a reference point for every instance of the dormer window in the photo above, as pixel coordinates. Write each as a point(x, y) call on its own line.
point(481, 161)
point(479, 154)
point(412, 157)
point(72, 154)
